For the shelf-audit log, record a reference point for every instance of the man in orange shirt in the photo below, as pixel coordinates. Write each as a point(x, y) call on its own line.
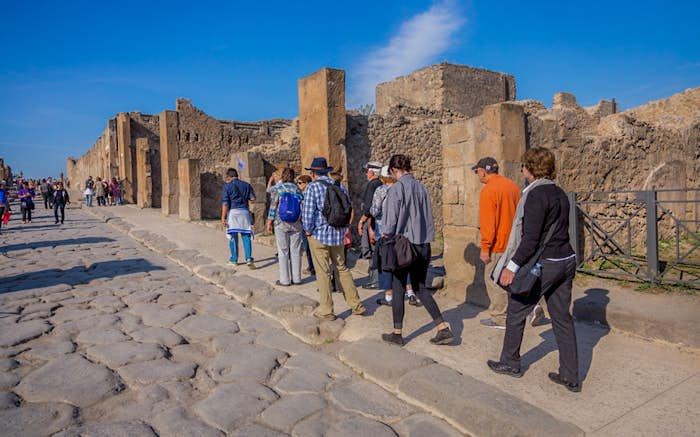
point(497, 203)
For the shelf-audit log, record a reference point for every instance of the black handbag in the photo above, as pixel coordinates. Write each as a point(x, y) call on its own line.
point(527, 276)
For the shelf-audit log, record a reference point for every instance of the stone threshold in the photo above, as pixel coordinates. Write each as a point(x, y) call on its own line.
point(472, 406)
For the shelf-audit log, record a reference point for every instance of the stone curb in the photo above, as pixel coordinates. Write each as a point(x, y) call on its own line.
point(471, 406)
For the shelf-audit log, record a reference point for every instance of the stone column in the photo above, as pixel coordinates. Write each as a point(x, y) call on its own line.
point(144, 185)
point(322, 118)
point(169, 155)
point(500, 133)
point(251, 169)
point(126, 172)
point(190, 189)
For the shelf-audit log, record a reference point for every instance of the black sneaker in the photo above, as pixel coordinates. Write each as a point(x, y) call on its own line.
point(412, 300)
point(504, 369)
point(393, 338)
point(571, 386)
point(443, 336)
point(383, 301)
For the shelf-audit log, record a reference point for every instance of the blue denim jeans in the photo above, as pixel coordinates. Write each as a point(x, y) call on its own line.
point(247, 248)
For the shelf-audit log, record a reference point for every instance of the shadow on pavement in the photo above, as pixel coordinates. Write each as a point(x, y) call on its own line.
point(53, 243)
point(76, 275)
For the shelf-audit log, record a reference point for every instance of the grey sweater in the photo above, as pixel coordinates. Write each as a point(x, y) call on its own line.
point(407, 211)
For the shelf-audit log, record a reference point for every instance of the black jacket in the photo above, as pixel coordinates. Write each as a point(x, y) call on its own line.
point(545, 206)
point(384, 256)
point(60, 197)
point(369, 195)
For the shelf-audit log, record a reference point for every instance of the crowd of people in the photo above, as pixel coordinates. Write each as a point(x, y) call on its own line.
point(525, 229)
point(107, 193)
point(54, 196)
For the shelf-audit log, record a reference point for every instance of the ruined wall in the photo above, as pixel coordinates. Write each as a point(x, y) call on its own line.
point(99, 161)
point(146, 127)
point(445, 86)
point(214, 141)
point(5, 171)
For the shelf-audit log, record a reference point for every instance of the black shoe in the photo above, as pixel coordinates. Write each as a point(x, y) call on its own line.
point(383, 301)
point(504, 369)
point(56, 222)
point(393, 338)
point(574, 387)
point(370, 286)
point(413, 300)
point(443, 336)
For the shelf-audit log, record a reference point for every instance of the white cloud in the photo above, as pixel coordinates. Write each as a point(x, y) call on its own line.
point(417, 43)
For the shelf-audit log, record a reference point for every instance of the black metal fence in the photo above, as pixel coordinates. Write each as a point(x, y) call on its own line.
point(651, 236)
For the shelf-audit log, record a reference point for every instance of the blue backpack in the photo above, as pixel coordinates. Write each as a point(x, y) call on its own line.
point(289, 207)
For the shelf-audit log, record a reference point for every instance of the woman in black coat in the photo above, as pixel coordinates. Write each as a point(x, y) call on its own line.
point(60, 200)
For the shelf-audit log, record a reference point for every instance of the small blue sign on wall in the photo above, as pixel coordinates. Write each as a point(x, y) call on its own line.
point(241, 164)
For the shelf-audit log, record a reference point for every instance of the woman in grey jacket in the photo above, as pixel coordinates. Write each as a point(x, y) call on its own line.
point(407, 212)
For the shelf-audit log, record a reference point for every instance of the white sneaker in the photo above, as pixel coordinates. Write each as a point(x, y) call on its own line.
point(536, 316)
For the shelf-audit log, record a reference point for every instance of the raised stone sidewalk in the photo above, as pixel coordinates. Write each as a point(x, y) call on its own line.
point(453, 382)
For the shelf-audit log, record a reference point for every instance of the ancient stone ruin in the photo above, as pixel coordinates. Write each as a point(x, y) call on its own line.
point(5, 171)
point(444, 116)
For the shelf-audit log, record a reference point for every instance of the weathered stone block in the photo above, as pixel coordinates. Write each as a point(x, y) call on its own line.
point(144, 180)
point(190, 190)
point(169, 155)
point(465, 271)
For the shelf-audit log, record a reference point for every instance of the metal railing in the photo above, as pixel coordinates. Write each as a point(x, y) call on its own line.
point(620, 234)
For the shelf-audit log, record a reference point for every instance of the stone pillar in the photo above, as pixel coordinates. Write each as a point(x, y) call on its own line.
point(169, 155)
point(126, 172)
point(190, 189)
point(251, 169)
point(500, 133)
point(112, 148)
point(144, 184)
point(322, 118)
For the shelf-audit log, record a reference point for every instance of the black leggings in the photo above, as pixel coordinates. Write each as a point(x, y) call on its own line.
point(419, 272)
point(2, 213)
point(26, 214)
point(56, 206)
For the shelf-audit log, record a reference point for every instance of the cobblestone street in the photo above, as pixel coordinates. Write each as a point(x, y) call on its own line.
point(100, 336)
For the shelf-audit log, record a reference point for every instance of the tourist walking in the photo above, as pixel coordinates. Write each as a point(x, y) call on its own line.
point(497, 203)
point(100, 192)
point(235, 216)
point(4, 202)
point(115, 192)
point(45, 195)
point(89, 191)
point(60, 200)
point(285, 215)
point(26, 202)
point(409, 215)
point(302, 182)
point(325, 230)
point(366, 222)
point(540, 228)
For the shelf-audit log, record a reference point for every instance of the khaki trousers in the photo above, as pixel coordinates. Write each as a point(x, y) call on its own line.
point(497, 295)
point(322, 256)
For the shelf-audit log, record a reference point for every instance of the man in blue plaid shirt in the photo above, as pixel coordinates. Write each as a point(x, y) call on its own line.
point(326, 244)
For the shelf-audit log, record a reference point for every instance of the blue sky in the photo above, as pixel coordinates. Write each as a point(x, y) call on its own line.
point(66, 67)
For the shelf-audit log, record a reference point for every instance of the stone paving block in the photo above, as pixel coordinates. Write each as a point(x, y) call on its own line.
point(214, 273)
point(229, 404)
point(107, 303)
point(281, 340)
point(181, 255)
point(178, 422)
point(100, 321)
point(67, 314)
point(381, 362)
point(110, 429)
point(155, 315)
point(245, 288)
point(255, 430)
point(476, 407)
point(9, 400)
point(71, 379)
point(51, 350)
point(8, 380)
point(170, 297)
point(285, 306)
point(204, 327)
point(127, 352)
point(145, 295)
point(369, 400)
point(101, 336)
point(231, 342)
point(288, 410)
point(36, 316)
point(222, 306)
point(246, 362)
point(40, 307)
point(360, 426)
point(37, 419)
point(23, 332)
point(422, 424)
point(157, 335)
point(162, 246)
point(150, 372)
point(7, 364)
point(306, 328)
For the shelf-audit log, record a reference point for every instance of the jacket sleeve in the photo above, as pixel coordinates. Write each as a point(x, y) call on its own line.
point(487, 219)
point(367, 201)
point(225, 198)
point(391, 210)
point(535, 212)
